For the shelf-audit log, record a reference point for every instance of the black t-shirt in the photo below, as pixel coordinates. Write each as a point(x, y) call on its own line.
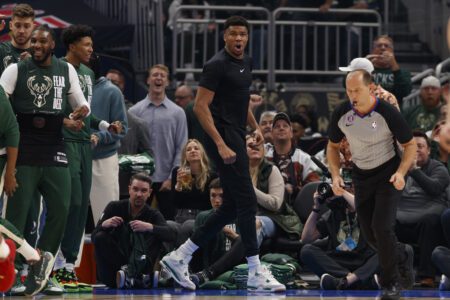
point(230, 79)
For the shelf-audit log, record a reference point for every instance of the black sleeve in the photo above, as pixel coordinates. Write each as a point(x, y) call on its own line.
point(335, 134)
point(435, 183)
point(177, 197)
point(397, 124)
point(160, 228)
point(322, 227)
point(107, 213)
point(211, 76)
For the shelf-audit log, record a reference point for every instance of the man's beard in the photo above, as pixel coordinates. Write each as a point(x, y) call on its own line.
point(42, 60)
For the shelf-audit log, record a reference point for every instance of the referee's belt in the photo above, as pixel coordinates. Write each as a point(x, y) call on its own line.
point(2, 151)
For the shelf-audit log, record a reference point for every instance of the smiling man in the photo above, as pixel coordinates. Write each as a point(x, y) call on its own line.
point(40, 88)
point(222, 107)
point(167, 126)
point(21, 26)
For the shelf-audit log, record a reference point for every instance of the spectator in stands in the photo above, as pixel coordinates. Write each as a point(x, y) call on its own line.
point(347, 261)
point(184, 97)
point(274, 216)
point(137, 139)
point(422, 203)
point(425, 115)
point(219, 245)
point(387, 71)
point(189, 192)
point(167, 127)
point(107, 104)
point(295, 166)
point(128, 238)
point(441, 254)
point(438, 152)
point(118, 79)
point(265, 123)
point(299, 126)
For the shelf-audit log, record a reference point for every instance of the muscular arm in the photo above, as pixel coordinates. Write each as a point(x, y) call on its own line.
point(201, 109)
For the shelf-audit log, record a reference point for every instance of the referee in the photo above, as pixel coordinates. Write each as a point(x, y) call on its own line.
point(372, 128)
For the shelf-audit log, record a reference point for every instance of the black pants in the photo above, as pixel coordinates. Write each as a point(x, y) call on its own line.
point(376, 205)
point(319, 262)
point(113, 250)
point(441, 259)
point(427, 234)
point(239, 199)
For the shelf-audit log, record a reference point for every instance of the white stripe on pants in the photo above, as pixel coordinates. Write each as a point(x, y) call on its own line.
point(105, 184)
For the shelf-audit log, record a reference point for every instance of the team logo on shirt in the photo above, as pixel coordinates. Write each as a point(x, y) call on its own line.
point(39, 90)
point(350, 120)
point(374, 124)
point(7, 60)
point(82, 83)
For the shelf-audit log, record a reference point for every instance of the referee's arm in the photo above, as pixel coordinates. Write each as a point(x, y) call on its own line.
point(334, 164)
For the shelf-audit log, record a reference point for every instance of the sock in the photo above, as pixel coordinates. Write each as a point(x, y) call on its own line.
point(28, 252)
point(253, 263)
point(60, 260)
point(4, 250)
point(69, 267)
point(187, 248)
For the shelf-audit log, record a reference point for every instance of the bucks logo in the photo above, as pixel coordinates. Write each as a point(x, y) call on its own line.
point(7, 60)
point(39, 90)
point(82, 83)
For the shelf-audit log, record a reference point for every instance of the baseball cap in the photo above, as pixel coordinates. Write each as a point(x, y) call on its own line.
point(281, 116)
point(430, 81)
point(359, 63)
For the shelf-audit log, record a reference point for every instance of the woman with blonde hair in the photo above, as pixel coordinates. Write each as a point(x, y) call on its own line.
point(190, 192)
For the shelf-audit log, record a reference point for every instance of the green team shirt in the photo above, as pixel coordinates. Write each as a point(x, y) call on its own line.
point(87, 79)
point(39, 97)
point(9, 55)
point(9, 130)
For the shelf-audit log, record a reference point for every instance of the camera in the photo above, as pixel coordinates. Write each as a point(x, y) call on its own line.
point(325, 191)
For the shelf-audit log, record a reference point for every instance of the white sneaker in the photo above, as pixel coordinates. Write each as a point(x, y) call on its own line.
point(177, 267)
point(263, 280)
point(444, 284)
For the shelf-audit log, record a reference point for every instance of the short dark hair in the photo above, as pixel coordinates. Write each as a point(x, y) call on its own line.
point(117, 72)
point(384, 36)
point(45, 28)
point(215, 184)
point(418, 133)
point(23, 10)
point(236, 21)
point(74, 33)
point(296, 118)
point(141, 177)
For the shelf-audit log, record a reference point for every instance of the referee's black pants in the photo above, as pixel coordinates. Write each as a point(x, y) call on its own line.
point(376, 205)
point(239, 199)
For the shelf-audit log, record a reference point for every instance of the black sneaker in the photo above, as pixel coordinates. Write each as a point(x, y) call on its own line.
point(199, 278)
point(406, 269)
point(38, 276)
point(329, 282)
point(391, 293)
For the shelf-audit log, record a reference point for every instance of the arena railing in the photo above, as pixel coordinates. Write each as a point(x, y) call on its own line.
point(309, 42)
point(195, 40)
point(285, 42)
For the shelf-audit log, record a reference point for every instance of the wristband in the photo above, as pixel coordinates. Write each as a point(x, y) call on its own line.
point(316, 210)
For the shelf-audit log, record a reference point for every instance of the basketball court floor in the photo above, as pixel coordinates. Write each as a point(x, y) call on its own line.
point(178, 294)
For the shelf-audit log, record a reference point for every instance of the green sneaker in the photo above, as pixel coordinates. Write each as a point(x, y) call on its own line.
point(18, 289)
point(73, 280)
point(65, 281)
point(53, 288)
point(38, 275)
